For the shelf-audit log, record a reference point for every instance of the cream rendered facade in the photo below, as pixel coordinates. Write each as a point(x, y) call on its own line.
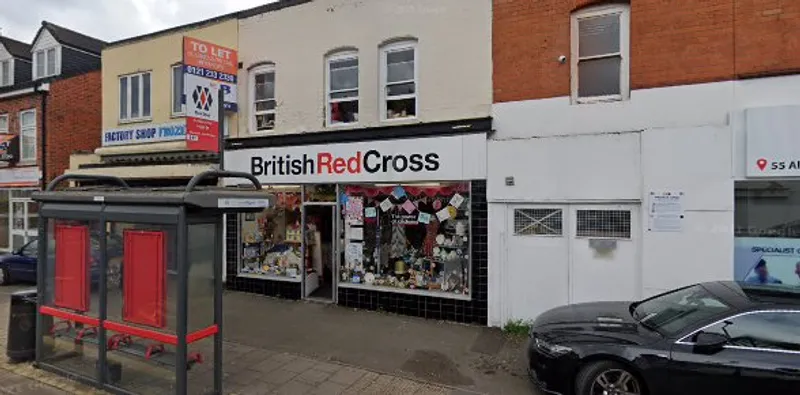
point(156, 54)
point(454, 63)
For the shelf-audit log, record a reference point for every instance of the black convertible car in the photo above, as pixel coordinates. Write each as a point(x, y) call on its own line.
point(710, 338)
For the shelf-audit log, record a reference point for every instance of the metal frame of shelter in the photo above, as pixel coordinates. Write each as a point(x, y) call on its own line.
point(113, 203)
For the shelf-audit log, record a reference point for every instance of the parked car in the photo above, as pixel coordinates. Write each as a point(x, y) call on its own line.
point(21, 265)
point(711, 338)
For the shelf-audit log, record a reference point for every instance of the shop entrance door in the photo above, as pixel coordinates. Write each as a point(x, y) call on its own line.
point(24, 221)
point(320, 251)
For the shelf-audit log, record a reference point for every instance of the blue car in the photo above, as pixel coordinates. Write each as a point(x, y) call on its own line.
point(21, 264)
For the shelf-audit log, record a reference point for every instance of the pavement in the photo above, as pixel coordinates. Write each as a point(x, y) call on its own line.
point(276, 346)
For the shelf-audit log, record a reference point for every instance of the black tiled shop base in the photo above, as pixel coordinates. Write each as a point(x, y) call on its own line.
point(468, 311)
point(471, 311)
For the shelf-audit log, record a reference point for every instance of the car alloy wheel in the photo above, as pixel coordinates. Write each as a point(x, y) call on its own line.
point(615, 382)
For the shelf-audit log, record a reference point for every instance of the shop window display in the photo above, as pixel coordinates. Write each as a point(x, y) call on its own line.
point(271, 240)
point(412, 237)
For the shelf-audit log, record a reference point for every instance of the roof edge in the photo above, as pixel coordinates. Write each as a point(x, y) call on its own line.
point(275, 6)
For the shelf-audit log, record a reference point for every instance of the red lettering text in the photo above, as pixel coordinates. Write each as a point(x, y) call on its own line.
point(324, 160)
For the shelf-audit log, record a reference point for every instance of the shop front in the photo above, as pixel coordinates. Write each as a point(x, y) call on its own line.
point(391, 224)
point(18, 213)
point(767, 198)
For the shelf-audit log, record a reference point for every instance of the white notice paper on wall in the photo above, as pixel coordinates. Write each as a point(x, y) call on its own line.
point(665, 212)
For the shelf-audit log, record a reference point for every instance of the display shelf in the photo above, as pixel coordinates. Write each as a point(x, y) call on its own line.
point(270, 277)
point(420, 292)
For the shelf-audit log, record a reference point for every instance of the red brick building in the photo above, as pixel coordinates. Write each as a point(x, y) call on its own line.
point(50, 107)
point(602, 111)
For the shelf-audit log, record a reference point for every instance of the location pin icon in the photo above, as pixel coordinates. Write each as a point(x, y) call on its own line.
point(761, 163)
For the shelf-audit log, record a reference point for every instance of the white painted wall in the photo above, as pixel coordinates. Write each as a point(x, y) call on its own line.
point(686, 138)
point(453, 57)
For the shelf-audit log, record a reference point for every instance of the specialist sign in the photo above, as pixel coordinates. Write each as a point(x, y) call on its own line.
point(773, 141)
point(141, 134)
point(425, 159)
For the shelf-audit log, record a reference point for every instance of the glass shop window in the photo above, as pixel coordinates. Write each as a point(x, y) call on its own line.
point(411, 237)
point(767, 232)
point(271, 241)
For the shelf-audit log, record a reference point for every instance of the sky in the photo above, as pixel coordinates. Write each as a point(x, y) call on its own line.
point(110, 20)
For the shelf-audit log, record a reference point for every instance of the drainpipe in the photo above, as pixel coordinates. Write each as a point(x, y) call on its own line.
point(43, 89)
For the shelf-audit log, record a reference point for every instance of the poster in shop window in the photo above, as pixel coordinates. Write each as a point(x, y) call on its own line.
point(767, 261)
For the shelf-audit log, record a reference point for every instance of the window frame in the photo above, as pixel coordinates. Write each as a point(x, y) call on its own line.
point(173, 92)
point(335, 57)
point(45, 61)
point(8, 127)
point(22, 136)
point(686, 340)
point(9, 76)
point(266, 68)
point(385, 50)
point(624, 46)
point(141, 101)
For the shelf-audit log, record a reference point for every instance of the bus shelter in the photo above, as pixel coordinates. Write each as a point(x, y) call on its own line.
point(130, 282)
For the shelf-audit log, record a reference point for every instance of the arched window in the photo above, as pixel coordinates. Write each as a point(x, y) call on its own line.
point(262, 97)
point(399, 80)
point(600, 54)
point(341, 88)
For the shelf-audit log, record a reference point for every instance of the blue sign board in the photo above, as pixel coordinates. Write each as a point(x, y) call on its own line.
point(141, 134)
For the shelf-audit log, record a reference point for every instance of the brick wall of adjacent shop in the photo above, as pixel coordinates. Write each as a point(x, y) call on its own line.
point(16, 105)
point(74, 119)
point(712, 40)
point(468, 311)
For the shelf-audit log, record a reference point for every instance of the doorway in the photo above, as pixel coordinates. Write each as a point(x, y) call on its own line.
point(570, 253)
point(24, 221)
point(319, 220)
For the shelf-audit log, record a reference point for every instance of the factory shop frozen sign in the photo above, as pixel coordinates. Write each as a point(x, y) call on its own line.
point(144, 134)
point(434, 159)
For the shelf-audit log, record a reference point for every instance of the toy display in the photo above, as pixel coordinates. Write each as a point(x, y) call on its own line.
point(413, 238)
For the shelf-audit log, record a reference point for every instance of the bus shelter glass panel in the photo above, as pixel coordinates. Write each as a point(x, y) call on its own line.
point(141, 310)
point(202, 244)
point(70, 301)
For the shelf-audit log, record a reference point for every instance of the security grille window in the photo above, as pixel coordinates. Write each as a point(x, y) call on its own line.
point(178, 107)
point(134, 97)
point(600, 54)
point(540, 221)
point(5, 73)
point(264, 98)
point(343, 89)
point(399, 69)
point(27, 141)
point(611, 224)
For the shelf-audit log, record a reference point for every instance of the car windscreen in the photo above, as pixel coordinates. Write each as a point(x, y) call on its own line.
point(672, 312)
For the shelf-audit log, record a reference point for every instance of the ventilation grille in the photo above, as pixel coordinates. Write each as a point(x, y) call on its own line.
point(538, 222)
point(610, 224)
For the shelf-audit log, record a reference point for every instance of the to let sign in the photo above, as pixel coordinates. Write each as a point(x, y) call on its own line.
point(206, 66)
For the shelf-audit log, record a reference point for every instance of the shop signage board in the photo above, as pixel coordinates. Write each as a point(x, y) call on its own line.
point(206, 67)
point(141, 134)
point(402, 160)
point(773, 141)
point(19, 176)
point(9, 148)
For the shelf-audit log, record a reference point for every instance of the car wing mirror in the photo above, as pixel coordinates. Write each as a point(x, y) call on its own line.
point(709, 343)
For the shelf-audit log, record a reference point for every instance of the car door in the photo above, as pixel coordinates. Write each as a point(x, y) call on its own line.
point(27, 262)
point(762, 356)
